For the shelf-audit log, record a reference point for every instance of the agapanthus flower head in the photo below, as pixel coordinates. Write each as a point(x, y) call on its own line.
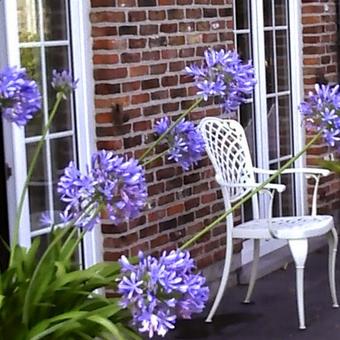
point(113, 182)
point(63, 82)
point(223, 74)
point(20, 97)
point(185, 143)
point(157, 291)
point(321, 112)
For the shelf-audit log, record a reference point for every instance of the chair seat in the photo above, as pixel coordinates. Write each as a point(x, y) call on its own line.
point(288, 228)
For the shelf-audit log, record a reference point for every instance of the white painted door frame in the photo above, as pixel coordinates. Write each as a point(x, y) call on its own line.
point(261, 123)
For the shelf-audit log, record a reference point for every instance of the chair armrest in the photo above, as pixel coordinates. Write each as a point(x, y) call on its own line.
point(306, 171)
point(277, 187)
point(314, 173)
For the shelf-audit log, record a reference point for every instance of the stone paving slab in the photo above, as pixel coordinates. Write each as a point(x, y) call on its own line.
point(273, 315)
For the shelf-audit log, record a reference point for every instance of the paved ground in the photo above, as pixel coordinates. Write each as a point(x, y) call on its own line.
point(273, 316)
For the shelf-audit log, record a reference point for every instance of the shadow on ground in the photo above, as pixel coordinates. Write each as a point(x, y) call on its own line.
point(273, 315)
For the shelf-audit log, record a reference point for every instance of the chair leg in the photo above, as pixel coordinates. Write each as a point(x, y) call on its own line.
point(253, 274)
point(224, 280)
point(333, 245)
point(299, 249)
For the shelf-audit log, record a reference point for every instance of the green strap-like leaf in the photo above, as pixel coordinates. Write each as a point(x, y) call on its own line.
point(108, 325)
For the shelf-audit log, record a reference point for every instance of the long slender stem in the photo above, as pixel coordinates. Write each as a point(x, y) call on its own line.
point(162, 136)
point(247, 197)
point(148, 161)
point(29, 292)
point(37, 150)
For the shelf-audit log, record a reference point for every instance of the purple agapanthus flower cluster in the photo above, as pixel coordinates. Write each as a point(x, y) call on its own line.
point(157, 291)
point(223, 74)
point(116, 183)
point(63, 82)
point(321, 112)
point(186, 144)
point(20, 97)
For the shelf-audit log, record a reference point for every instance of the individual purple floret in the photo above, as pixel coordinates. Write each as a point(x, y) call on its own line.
point(185, 143)
point(19, 96)
point(321, 112)
point(223, 74)
point(157, 291)
point(63, 82)
point(113, 182)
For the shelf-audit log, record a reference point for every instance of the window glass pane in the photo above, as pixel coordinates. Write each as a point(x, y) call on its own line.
point(276, 208)
point(280, 13)
point(242, 14)
point(272, 128)
point(61, 155)
point(55, 19)
point(44, 242)
point(267, 12)
point(243, 46)
point(285, 126)
point(57, 58)
point(282, 60)
point(247, 121)
point(30, 58)
point(38, 186)
point(28, 20)
point(270, 64)
point(287, 197)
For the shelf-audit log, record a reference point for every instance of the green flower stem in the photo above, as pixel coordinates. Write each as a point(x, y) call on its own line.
point(37, 150)
point(146, 162)
point(247, 197)
point(164, 134)
point(82, 233)
point(76, 220)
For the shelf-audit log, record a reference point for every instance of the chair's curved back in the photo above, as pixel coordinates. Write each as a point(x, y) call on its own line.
point(228, 150)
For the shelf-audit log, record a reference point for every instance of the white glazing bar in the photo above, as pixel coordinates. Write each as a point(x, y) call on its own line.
point(280, 93)
point(241, 31)
point(283, 158)
point(52, 43)
point(51, 135)
point(275, 28)
point(46, 105)
point(40, 232)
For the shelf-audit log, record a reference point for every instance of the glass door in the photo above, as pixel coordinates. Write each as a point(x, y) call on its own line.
point(44, 45)
point(266, 32)
point(43, 35)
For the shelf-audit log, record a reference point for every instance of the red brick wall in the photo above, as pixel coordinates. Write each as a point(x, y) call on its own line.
point(140, 50)
point(320, 66)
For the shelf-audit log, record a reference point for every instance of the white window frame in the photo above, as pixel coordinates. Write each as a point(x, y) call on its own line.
point(260, 102)
point(85, 123)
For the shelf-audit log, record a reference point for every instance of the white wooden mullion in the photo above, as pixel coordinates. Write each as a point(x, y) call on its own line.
point(261, 124)
point(294, 15)
point(15, 153)
point(84, 97)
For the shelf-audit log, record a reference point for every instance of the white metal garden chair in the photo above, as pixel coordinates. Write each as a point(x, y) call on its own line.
point(228, 151)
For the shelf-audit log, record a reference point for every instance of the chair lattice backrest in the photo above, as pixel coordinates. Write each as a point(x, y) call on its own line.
point(228, 150)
